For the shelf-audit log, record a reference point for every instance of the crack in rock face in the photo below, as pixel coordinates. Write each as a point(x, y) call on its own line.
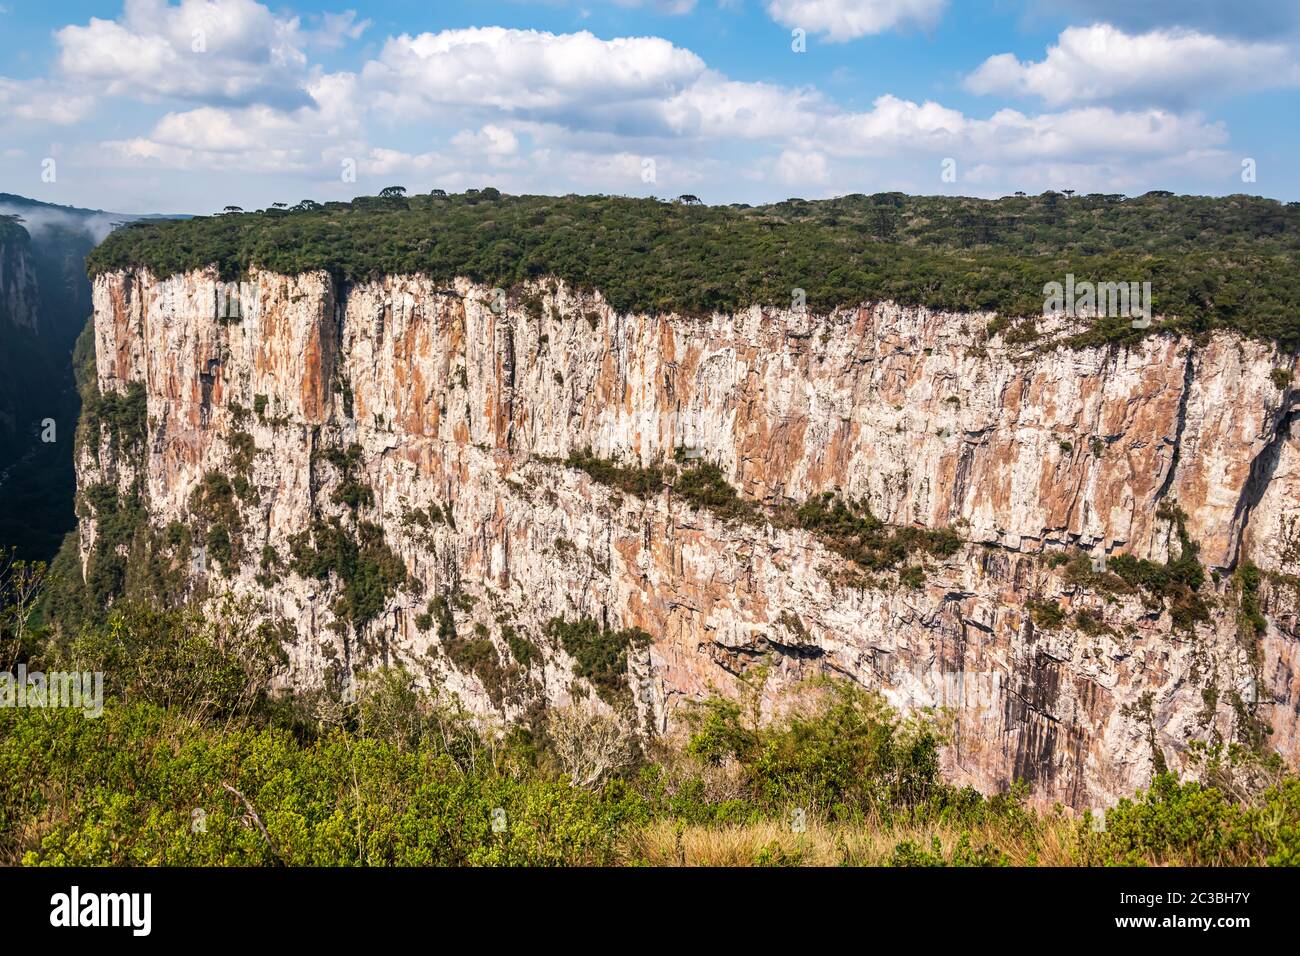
point(432, 434)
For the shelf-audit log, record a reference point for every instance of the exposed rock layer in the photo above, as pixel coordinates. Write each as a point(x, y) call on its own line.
point(1023, 452)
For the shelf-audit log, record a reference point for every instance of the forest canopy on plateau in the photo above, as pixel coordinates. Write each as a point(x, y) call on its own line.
point(1226, 262)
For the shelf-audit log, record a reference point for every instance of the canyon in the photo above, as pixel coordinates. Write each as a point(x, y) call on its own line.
point(44, 304)
point(425, 431)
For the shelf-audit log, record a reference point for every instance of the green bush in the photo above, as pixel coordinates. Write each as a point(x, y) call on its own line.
point(1175, 583)
point(352, 491)
point(1046, 614)
point(400, 778)
point(369, 570)
point(129, 785)
point(964, 853)
point(848, 758)
point(852, 531)
point(1196, 825)
point(705, 486)
point(208, 667)
point(599, 654)
point(634, 480)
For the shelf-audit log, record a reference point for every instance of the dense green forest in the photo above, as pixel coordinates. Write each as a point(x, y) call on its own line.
point(1212, 262)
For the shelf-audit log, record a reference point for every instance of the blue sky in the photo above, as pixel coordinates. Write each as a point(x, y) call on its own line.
point(190, 105)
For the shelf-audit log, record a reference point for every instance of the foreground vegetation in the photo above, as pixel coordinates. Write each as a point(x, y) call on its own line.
point(1212, 262)
point(196, 761)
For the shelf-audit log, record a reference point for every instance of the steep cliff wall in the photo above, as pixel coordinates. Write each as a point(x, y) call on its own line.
point(44, 302)
point(18, 291)
point(383, 467)
point(18, 325)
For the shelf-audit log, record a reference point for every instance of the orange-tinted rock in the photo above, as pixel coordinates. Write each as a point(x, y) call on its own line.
point(1020, 450)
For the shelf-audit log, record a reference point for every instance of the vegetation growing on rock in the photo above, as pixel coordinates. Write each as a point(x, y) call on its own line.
point(848, 528)
point(361, 560)
point(599, 653)
point(852, 531)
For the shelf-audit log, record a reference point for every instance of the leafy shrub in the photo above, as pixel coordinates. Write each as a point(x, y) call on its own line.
point(1046, 614)
point(846, 758)
point(599, 654)
point(206, 667)
point(705, 486)
point(351, 491)
point(852, 531)
point(1174, 583)
point(127, 785)
point(213, 501)
point(367, 567)
point(964, 853)
point(1191, 824)
point(636, 480)
point(521, 648)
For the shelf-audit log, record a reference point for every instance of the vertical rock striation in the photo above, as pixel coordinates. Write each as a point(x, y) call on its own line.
point(381, 466)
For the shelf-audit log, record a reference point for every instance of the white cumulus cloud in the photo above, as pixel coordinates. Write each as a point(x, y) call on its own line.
point(256, 138)
point(1101, 63)
point(525, 109)
point(841, 20)
point(38, 101)
point(802, 168)
point(233, 51)
point(527, 72)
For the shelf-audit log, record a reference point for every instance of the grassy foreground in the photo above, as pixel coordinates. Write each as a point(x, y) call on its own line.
point(194, 761)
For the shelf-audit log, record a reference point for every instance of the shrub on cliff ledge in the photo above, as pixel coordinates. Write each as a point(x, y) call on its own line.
point(847, 528)
point(1175, 583)
point(123, 414)
point(599, 654)
point(852, 531)
point(367, 567)
point(705, 486)
point(352, 491)
point(639, 480)
point(213, 503)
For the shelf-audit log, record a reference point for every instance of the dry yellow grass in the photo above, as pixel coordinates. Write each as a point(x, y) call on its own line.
point(664, 843)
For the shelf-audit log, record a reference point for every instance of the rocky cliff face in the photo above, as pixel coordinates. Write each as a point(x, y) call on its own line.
point(18, 325)
point(43, 304)
point(381, 467)
point(18, 290)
